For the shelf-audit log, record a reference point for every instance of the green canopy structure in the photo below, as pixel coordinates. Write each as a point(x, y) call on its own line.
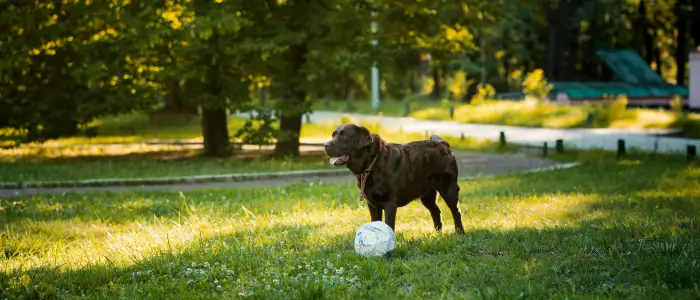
point(636, 80)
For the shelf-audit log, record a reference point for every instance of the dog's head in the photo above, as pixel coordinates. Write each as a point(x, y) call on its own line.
point(349, 141)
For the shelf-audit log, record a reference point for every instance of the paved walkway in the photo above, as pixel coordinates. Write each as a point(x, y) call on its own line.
point(470, 164)
point(573, 138)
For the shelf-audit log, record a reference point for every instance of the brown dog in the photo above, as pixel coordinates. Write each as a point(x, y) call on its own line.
point(392, 175)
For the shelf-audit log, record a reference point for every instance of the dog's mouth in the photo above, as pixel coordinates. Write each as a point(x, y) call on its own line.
point(339, 160)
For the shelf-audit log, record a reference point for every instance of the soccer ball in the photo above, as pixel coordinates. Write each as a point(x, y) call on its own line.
point(374, 239)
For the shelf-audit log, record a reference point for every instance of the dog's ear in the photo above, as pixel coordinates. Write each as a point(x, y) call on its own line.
point(364, 138)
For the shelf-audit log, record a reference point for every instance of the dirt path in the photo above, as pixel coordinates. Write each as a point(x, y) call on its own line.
point(470, 164)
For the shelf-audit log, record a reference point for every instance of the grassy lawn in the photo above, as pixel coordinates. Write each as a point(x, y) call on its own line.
point(606, 229)
point(393, 108)
point(149, 165)
point(88, 158)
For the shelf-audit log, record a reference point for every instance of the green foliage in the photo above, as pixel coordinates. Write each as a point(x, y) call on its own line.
point(484, 92)
point(536, 86)
point(64, 65)
point(676, 105)
point(618, 108)
point(457, 85)
point(259, 130)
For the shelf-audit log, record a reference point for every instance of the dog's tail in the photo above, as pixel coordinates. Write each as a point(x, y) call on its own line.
point(437, 138)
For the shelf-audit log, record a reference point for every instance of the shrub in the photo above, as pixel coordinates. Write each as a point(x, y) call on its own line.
point(676, 105)
point(457, 85)
point(259, 130)
point(535, 85)
point(483, 93)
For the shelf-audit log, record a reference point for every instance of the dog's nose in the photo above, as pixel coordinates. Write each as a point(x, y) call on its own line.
point(327, 145)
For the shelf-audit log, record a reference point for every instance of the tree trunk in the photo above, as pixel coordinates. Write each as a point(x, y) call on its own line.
point(214, 127)
point(681, 41)
point(657, 60)
point(437, 89)
point(695, 23)
point(215, 132)
point(562, 54)
point(288, 141)
point(345, 84)
point(413, 82)
point(175, 101)
point(647, 38)
point(551, 43)
point(291, 109)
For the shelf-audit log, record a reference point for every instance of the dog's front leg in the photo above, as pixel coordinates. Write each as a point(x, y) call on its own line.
point(390, 212)
point(375, 213)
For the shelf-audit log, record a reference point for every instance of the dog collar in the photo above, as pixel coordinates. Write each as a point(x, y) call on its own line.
point(363, 177)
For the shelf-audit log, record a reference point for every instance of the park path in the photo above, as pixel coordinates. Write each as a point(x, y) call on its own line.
point(585, 138)
point(470, 164)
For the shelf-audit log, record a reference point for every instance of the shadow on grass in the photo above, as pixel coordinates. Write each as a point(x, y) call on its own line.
point(151, 164)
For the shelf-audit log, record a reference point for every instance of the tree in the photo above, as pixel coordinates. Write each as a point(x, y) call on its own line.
point(209, 60)
point(682, 12)
point(304, 41)
point(65, 64)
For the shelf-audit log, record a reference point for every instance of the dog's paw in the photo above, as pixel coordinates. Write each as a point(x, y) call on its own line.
point(389, 255)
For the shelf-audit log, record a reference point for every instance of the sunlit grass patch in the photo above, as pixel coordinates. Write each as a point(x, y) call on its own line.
point(530, 113)
point(602, 230)
point(517, 113)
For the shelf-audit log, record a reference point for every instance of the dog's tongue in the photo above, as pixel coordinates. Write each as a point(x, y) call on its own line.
point(339, 160)
point(335, 159)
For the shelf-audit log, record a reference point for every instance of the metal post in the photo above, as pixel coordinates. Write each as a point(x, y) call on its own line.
point(375, 69)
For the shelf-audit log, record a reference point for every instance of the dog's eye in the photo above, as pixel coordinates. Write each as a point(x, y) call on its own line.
point(342, 133)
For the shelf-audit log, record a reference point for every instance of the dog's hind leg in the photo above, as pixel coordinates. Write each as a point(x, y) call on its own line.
point(449, 190)
point(429, 200)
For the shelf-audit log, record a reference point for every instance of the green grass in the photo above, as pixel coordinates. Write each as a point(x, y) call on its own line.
point(607, 229)
point(150, 165)
point(393, 108)
point(91, 158)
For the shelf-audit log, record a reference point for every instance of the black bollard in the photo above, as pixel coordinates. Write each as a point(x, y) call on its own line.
point(544, 150)
point(621, 148)
point(691, 152)
point(452, 112)
point(406, 108)
point(559, 146)
point(462, 137)
point(502, 139)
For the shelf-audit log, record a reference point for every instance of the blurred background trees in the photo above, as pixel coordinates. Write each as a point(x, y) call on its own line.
point(67, 63)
